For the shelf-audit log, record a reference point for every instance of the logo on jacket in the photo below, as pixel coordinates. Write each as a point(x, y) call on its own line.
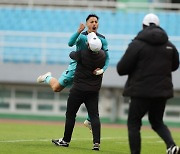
point(168, 47)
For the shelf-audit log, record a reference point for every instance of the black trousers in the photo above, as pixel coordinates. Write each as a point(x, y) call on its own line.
point(155, 109)
point(90, 99)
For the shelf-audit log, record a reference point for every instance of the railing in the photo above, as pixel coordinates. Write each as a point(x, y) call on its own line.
point(41, 101)
point(48, 48)
point(52, 48)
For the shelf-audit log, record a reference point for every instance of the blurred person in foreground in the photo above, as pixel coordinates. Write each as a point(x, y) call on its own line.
point(85, 89)
point(149, 62)
point(80, 40)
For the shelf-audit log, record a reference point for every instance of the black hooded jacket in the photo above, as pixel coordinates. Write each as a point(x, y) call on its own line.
point(148, 61)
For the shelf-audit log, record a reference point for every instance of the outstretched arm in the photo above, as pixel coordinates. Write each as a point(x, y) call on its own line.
point(106, 62)
point(105, 48)
point(74, 37)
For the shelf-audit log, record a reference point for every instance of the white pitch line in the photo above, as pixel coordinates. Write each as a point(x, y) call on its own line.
point(31, 140)
point(75, 139)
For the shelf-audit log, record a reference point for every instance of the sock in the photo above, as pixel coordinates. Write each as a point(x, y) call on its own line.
point(48, 78)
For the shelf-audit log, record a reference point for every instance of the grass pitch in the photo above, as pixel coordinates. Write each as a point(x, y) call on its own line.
point(35, 138)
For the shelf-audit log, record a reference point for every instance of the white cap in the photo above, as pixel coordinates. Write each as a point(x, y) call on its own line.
point(151, 18)
point(94, 42)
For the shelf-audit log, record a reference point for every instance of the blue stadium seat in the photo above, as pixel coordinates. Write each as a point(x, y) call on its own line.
point(68, 20)
point(57, 56)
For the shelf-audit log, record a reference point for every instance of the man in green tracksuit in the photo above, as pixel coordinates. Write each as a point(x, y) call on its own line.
point(80, 40)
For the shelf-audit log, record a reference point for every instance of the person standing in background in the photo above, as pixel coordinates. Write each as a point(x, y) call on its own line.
point(149, 62)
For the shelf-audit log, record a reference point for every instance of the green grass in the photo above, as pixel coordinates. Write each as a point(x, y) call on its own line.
point(19, 138)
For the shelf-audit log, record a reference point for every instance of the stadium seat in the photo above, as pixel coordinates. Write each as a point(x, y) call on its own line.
point(67, 21)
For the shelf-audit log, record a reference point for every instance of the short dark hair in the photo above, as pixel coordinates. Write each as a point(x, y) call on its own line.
point(92, 15)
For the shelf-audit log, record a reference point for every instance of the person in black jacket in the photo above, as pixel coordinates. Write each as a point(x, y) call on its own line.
point(85, 89)
point(148, 61)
